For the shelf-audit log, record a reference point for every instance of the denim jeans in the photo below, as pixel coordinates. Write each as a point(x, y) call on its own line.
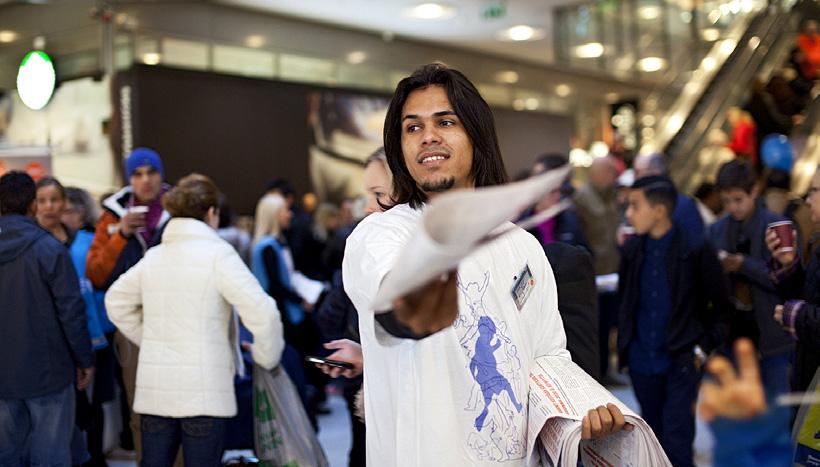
point(667, 404)
point(37, 431)
point(202, 438)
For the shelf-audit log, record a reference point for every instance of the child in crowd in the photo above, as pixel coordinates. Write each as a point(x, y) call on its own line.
point(674, 308)
point(740, 240)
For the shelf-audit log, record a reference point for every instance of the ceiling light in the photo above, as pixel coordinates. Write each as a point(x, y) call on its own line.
point(708, 63)
point(648, 120)
point(255, 41)
point(518, 104)
point(589, 50)
point(651, 64)
point(710, 34)
point(735, 6)
point(580, 158)
point(674, 123)
point(649, 12)
point(356, 57)
point(713, 16)
point(8, 36)
point(686, 17)
point(430, 11)
point(727, 46)
point(754, 41)
point(563, 90)
point(151, 58)
point(531, 103)
point(599, 149)
point(506, 77)
point(521, 33)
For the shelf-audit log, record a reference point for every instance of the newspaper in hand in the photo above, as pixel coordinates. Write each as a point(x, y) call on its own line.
point(456, 223)
point(561, 394)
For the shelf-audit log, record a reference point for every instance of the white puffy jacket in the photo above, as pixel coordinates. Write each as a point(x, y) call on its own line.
point(175, 304)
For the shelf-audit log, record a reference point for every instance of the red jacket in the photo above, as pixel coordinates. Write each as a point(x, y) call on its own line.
point(744, 142)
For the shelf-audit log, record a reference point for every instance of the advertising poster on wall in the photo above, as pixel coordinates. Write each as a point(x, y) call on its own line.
point(345, 130)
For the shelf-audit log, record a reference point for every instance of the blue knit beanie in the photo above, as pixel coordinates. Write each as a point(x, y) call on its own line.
point(141, 157)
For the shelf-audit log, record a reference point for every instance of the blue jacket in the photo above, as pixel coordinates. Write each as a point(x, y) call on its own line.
point(293, 310)
point(755, 270)
point(98, 322)
point(762, 441)
point(44, 332)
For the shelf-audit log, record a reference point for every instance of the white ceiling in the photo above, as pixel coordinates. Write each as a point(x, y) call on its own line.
point(466, 29)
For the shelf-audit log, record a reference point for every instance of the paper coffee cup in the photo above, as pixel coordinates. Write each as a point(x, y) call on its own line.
point(785, 232)
point(138, 209)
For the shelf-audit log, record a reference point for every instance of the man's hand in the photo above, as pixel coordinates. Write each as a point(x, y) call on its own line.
point(84, 376)
point(131, 222)
point(431, 308)
point(734, 395)
point(732, 262)
point(346, 351)
point(603, 421)
point(778, 314)
point(785, 258)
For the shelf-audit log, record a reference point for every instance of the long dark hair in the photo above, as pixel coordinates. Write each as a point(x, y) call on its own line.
point(474, 113)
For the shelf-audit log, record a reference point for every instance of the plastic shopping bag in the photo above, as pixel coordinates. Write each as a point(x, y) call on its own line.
point(283, 434)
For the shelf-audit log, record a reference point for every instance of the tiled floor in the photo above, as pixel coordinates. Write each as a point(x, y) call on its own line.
point(334, 434)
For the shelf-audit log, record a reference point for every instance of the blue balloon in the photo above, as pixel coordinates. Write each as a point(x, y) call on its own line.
point(777, 152)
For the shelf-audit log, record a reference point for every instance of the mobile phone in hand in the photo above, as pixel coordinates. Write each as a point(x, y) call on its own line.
point(333, 363)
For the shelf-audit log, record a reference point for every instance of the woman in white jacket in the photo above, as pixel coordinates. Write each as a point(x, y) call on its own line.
point(175, 304)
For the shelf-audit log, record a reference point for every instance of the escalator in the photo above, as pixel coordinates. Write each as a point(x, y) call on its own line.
point(752, 53)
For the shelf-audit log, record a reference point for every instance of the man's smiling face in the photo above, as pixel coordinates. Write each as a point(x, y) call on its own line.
point(437, 151)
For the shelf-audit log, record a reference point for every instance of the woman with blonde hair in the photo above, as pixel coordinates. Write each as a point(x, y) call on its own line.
point(272, 264)
point(272, 261)
point(175, 304)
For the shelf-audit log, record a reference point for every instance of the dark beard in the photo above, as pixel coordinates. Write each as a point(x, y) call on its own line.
point(437, 186)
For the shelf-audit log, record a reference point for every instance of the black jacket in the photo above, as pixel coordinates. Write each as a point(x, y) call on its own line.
point(44, 330)
point(698, 289)
point(755, 270)
point(577, 302)
point(567, 229)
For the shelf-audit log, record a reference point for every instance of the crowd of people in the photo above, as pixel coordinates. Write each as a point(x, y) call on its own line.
point(161, 301)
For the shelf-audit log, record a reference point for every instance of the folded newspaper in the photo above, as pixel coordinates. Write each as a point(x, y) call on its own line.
point(454, 224)
point(561, 394)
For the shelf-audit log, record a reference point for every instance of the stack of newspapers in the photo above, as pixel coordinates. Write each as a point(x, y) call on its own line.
point(561, 394)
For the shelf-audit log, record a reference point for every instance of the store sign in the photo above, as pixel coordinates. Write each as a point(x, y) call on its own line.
point(36, 79)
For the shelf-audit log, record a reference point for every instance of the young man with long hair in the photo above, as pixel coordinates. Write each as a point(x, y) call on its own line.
point(447, 369)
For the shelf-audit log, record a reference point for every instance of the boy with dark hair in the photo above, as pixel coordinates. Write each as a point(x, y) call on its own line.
point(673, 305)
point(740, 240)
point(48, 350)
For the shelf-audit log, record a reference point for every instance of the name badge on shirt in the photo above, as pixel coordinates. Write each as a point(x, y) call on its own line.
point(522, 287)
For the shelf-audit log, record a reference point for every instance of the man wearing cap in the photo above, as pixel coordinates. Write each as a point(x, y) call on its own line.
point(132, 222)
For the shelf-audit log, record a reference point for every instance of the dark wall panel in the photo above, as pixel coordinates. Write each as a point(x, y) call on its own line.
point(241, 132)
point(244, 132)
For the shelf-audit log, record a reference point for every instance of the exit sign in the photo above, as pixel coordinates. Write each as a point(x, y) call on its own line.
point(495, 11)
